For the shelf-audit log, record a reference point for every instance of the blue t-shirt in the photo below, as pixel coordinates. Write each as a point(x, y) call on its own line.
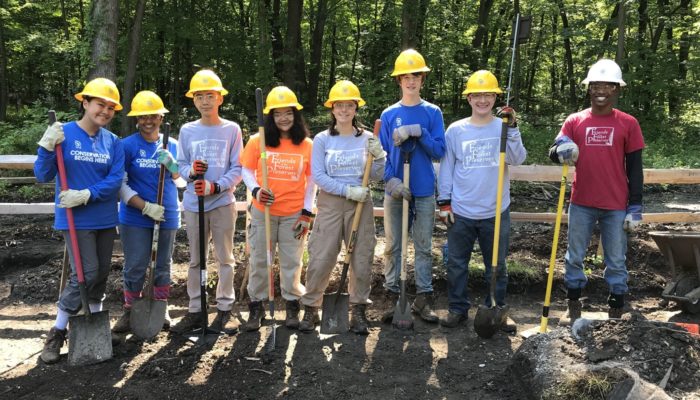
point(430, 146)
point(142, 172)
point(92, 162)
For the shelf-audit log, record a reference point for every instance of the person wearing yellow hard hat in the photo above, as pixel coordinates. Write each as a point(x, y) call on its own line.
point(208, 158)
point(139, 208)
point(467, 194)
point(338, 163)
point(94, 163)
point(605, 144)
point(412, 128)
point(290, 196)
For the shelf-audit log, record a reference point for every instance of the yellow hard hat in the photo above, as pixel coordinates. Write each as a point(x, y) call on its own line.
point(408, 62)
point(482, 82)
point(102, 88)
point(344, 90)
point(280, 97)
point(205, 79)
point(146, 103)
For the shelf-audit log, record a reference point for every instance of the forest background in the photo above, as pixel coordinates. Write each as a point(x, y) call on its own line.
point(50, 48)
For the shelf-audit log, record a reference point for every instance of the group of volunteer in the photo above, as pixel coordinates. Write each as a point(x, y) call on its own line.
point(114, 182)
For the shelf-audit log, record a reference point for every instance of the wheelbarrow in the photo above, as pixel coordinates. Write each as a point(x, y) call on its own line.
point(682, 253)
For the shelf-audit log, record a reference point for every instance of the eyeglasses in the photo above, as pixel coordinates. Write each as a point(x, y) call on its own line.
point(345, 106)
point(208, 97)
point(602, 86)
point(482, 96)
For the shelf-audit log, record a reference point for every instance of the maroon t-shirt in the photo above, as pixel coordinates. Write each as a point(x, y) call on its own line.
point(600, 179)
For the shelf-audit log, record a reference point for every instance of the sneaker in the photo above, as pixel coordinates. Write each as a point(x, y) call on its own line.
point(123, 324)
point(291, 320)
point(52, 347)
point(311, 319)
point(189, 322)
point(509, 326)
point(573, 313)
point(167, 321)
point(453, 319)
point(222, 318)
point(256, 316)
point(423, 305)
point(358, 319)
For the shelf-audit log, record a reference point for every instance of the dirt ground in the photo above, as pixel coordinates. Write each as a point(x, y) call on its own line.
point(428, 362)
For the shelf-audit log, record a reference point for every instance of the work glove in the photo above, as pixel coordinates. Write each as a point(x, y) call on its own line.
point(633, 217)
point(445, 214)
point(508, 116)
point(199, 168)
point(154, 211)
point(263, 196)
point(166, 158)
point(357, 193)
point(52, 136)
point(303, 225)
point(375, 148)
point(395, 188)
point(203, 187)
point(404, 132)
point(567, 150)
point(71, 198)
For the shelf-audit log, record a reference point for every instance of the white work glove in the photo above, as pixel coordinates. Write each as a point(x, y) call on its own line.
point(154, 211)
point(71, 198)
point(404, 132)
point(357, 193)
point(166, 158)
point(395, 188)
point(633, 217)
point(52, 136)
point(375, 148)
point(567, 150)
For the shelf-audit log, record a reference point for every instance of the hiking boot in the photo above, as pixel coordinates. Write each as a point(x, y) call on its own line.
point(189, 322)
point(453, 319)
point(358, 319)
point(507, 324)
point(222, 318)
point(255, 316)
point(52, 347)
point(167, 321)
point(391, 298)
point(311, 319)
point(123, 324)
point(423, 305)
point(573, 313)
point(614, 312)
point(616, 302)
point(291, 320)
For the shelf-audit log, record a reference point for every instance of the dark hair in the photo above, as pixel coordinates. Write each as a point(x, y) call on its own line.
point(298, 132)
point(355, 123)
point(423, 75)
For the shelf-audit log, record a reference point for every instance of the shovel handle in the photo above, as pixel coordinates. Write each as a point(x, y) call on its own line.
point(499, 203)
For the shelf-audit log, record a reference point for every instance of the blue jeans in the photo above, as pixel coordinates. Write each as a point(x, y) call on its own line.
point(461, 238)
point(136, 242)
point(422, 233)
point(581, 222)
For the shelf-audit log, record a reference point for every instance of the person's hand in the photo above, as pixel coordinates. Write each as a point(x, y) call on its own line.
point(357, 193)
point(303, 225)
point(166, 158)
point(403, 132)
point(154, 211)
point(567, 150)
point(508, 116)
point(199, 168)
point(203, 187)
point(395, 188)
point(52, 136)
point(263, 196)
point(633, 217)
point(445, 214)
point(71, 198)
point(375, 148)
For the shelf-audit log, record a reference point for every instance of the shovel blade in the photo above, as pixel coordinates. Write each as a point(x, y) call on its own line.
point(147, 317)
point(488, 320)
point(402, 318)
point(89, 339)
point(334, 317)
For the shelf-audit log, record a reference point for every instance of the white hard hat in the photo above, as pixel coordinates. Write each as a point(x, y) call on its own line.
point(604, 71)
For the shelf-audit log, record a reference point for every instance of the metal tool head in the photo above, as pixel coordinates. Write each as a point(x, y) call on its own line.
point(334, 317)
point(402, 319)
point(89, 339)
point(147, 317)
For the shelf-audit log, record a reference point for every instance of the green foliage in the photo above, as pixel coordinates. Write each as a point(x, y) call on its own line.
point(20, 133)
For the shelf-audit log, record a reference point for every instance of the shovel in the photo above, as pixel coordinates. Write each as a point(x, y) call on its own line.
point(148, 315)
point(402, 318)
point(335, 305)
point(89, 337)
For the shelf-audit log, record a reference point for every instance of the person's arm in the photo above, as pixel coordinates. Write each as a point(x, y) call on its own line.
point(111, 184)
point(45, 166)
point(447, 166)
point(184, 163)
point(233, 175)
point(249, 178)
point(635, 177)
point(515, 150)
point(432, 140)
point(310, 193)
point(318, 168)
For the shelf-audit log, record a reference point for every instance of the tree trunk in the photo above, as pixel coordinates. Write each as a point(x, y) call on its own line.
point(534, 62)
point(295, 75)
point(277, 41)
point(104, 17)
point(4, 91)
point(481, 34)
point(568, 55)
point(134, 47)
point(332, 61)
point(412, 21)
point(358, 32)
point(264, 72)
point(620, 53)
point(316, 53)
point(686, 21)
point(608, 31)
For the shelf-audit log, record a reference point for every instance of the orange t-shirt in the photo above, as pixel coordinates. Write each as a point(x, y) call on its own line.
point(288, 169)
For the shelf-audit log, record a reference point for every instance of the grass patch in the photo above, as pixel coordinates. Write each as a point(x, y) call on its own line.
point(590, 386)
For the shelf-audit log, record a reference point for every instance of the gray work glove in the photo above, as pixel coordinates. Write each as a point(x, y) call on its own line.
point(154, 211)
point(633, 217)
point(52, 136)
point(395, 188)
point(567, 150)
point(375, 148)
point(404, 132)
point(71, 198)
point(357, 193)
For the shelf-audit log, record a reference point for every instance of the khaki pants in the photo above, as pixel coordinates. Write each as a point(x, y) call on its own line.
point(290, 252)
point(333, 226)
point(219, 224)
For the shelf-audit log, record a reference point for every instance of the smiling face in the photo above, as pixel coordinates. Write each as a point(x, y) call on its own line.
point(603, 95)
point(149, 125)
point(98, 112)
point(344, 111)
point(481, 103)
point(411, 84)
point(207, 102)
point(284, 119)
